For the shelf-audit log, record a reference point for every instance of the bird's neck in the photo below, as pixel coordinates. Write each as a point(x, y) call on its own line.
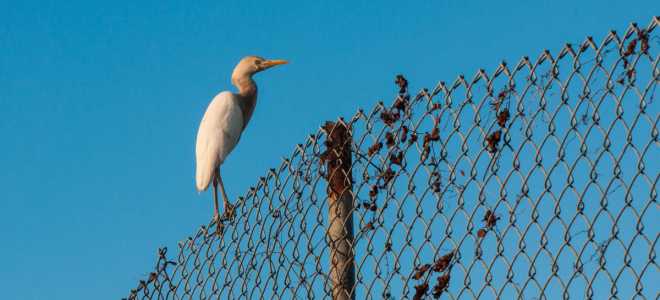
point(247, 88)
point(247, 92)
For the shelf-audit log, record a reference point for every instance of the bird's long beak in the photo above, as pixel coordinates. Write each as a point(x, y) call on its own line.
point(274, 62)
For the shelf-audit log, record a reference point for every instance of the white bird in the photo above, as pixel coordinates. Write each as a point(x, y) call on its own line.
point(222, 125)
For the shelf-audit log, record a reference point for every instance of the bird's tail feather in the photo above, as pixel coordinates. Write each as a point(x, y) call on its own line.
point(202, 179)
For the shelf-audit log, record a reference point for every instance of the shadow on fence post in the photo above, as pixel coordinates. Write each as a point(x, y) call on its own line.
point(340, 206)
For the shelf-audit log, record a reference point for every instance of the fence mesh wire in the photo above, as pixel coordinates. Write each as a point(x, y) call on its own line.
point(538, 181)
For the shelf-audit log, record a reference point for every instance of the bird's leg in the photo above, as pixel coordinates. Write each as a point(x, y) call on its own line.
point(216, 215)
point(228, 212)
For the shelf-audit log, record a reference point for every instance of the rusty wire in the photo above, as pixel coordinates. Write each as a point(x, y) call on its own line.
point(538, 181)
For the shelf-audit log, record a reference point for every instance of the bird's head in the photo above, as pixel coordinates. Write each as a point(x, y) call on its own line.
point(251, 65)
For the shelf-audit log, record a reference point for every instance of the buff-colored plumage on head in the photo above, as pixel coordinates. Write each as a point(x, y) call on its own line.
point(241, 77)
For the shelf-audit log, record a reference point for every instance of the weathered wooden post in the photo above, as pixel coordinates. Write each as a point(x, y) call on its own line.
point(340, 215)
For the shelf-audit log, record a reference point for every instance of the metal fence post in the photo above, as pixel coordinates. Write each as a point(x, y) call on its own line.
point(340, 206)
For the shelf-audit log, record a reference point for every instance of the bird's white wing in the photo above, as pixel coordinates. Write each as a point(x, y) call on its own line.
point(218, 134)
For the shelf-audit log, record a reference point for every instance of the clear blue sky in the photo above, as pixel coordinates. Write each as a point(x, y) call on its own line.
point(100, 103)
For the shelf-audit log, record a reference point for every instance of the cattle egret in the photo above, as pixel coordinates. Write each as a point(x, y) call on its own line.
point(224, 120)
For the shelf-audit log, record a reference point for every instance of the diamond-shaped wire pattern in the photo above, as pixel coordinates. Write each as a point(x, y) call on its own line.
point(538, 181)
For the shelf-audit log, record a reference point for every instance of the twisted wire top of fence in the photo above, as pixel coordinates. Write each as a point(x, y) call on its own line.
point(536, 181)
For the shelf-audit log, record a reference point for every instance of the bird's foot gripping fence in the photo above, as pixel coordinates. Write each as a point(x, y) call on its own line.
point(538, 181)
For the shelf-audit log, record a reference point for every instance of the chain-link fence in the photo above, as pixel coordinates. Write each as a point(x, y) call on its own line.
point(538, 181)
